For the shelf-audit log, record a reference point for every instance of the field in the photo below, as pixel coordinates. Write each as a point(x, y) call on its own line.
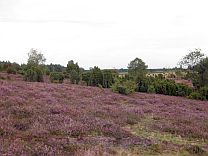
point(63, 119)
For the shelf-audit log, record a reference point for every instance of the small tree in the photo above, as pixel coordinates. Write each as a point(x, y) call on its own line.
point(34, 68)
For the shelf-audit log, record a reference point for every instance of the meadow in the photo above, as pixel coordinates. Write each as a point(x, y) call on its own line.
point(67, 119)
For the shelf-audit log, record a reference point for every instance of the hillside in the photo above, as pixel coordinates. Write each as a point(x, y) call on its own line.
point(63, 119)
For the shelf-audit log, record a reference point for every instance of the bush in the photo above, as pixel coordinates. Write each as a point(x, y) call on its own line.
point(20, 72)
point(11, 70)
point(183, 90)
point(204, 92)
point(161, 85)
point(34, 75)
point(151, 89)
point(125, 87)
point(57, 77)
point(196, 96)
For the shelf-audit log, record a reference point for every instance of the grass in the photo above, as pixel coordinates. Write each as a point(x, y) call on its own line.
point(142, 129)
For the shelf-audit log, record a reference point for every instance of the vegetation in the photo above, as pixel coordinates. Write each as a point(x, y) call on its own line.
point(95, 77)
point(137, 70)
point(124, 87)
point(11, 70)
point(138, 75)
point(69, 119)
point(65, 119)
point(34, 74)
point(56, 77)
point(74, 72)
point(201, 69)
point(55, 68)
point(192, 59)
point(34, 68)
point(35, 58)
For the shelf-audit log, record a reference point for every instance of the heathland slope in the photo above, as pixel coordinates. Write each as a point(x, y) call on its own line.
point(64, 119)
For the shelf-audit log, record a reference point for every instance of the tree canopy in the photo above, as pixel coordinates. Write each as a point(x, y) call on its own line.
point(35, 58)
point(202, 69)
point(192, 59)
point(137, 68)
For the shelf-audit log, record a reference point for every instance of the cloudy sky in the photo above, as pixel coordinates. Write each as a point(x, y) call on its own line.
point(106, 33)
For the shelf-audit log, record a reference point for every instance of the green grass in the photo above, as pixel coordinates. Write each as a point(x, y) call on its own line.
point(142, 129)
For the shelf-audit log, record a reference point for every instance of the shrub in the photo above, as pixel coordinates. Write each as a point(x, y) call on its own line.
point(151, 89)
point(196, 96)
point(125, 87)
point(204, 92)
point(183, 90)
point(34, 75)
point(20, 72)
point(57, 77)
point(168, 87)
point(11, 70)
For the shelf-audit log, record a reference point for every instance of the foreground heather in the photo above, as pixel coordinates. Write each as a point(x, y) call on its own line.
point(63, 119)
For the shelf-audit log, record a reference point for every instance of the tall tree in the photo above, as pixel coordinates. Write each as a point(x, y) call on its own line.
point(192, 59)
point(96, 76)
point(74, 72)
point(35, 58)
point(137, 69)
point(202, 70)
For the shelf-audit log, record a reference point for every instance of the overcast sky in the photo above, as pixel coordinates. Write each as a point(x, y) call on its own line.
point(107, 33)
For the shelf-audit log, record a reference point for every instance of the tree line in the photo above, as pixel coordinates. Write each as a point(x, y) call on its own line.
point(194, 65)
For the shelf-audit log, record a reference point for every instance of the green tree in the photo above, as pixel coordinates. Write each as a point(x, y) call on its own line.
point(191, 62)
point(55, 68)
point(108, 78)
point(35, 66)
point(202, 70)
point(192, 59)
point(35, 58)
point(137, 69)
point(96, 76)
point(74, 72)
point(86, 76)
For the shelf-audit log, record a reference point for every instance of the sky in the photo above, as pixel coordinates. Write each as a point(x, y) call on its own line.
point(104, 33)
